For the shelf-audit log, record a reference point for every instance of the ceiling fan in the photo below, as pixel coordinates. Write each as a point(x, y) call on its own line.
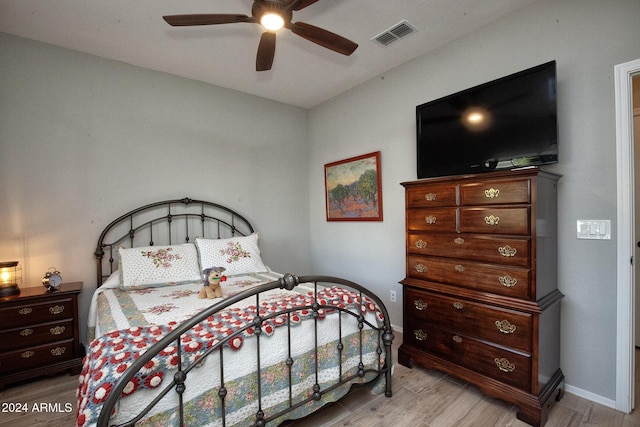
point(272, 15)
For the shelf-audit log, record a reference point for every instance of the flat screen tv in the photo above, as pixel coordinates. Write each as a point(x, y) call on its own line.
point(507, 123)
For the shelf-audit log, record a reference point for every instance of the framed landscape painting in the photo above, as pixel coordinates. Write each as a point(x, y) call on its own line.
point(352, 189)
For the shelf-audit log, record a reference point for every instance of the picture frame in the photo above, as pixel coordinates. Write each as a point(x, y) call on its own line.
point(353, 189)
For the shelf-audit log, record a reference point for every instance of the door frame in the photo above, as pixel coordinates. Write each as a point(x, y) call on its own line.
point(625, 354)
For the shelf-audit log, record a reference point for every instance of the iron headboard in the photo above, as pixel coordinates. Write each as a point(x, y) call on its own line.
point(165, 223)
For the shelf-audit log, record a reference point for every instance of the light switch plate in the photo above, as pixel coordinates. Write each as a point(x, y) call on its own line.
point(594, 229)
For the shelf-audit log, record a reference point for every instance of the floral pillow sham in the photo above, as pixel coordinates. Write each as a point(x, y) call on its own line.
point(155, 266)
point(238, 255)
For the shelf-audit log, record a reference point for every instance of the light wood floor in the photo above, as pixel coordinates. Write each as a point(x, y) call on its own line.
point(421, 398)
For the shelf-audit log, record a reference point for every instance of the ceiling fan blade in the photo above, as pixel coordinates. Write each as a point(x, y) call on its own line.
point(301, 4)
point(266, 51)
point(205, 19)
point(323, 38)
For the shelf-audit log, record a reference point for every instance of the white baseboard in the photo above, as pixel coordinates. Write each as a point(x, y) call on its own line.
point(590, 396)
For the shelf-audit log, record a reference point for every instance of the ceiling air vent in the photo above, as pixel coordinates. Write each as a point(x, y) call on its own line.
point(398, 31)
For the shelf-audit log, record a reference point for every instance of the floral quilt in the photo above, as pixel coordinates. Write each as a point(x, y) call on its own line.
point(141, 317)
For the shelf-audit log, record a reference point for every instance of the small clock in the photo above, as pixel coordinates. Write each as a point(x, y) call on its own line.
point(52, 279)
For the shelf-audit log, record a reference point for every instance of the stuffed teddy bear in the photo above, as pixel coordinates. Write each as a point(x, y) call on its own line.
point(212, 278)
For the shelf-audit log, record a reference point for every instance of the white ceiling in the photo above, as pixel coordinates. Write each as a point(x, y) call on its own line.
point(303, 74)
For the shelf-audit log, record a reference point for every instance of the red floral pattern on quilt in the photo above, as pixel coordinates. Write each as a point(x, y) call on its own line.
point(112, 354)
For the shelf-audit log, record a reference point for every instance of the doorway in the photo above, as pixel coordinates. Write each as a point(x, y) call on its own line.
point(626, 239)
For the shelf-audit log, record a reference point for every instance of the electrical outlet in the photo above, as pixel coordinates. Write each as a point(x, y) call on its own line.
point(392, 296)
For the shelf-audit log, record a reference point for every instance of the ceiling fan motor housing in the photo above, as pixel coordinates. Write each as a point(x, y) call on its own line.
point(279, 7)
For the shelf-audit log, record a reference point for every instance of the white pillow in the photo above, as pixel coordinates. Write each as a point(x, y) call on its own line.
point(113, 281)
point(155, 266)
point(238, 255)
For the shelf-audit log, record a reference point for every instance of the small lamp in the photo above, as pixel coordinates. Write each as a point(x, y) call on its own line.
point(9, 278)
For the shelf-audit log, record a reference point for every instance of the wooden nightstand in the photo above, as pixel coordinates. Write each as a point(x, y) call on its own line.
point(39, 333)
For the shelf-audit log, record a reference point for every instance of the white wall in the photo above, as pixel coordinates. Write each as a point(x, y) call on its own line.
point(586, 38)
point(85, 139)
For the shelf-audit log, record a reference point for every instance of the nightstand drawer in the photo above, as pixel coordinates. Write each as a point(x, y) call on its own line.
point(509, 367)
point(505, 327)
point(26, 313)
point(37, 356)
point(32, 335)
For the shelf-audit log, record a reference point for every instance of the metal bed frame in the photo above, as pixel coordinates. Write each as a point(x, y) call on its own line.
point(192, 216)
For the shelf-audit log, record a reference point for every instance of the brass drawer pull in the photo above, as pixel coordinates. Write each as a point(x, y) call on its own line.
point(507, 281)
point(505, 326)
point(27, 354)
point(431, 197)
point(25, 311)
point(421, 244)
point(491, 193)
point(26, 332)
point(457, 339)
point(420, 305)
point(56, 309)
point(58, 351)
point(420, 268)
point(430, 219)
point(420, 335)
point(504, 365)
point(507, 251)
point(57, 330)
point(458, 241)
point(492, 220)
point(459, 268)
point(458, 305)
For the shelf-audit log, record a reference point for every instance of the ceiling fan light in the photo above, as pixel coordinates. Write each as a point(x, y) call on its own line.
point(272, 21)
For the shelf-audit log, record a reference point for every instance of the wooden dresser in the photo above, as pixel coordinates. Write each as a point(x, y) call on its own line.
point(480, 295)
point(39, 333)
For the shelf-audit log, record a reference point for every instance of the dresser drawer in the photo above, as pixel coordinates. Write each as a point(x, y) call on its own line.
point(505, 327)
point(497, 279)
point(31, 335)
point(37, 356)
point(495, 220)
point(433, 220)
point(484, 248)
point(509, 367)
point(36, 312)
point(431, 195)
point(495, 192)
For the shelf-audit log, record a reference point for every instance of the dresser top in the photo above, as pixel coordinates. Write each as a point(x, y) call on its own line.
point(502, 174)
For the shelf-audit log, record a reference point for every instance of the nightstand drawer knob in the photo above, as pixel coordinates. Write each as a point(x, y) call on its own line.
point(421, 244)
point(26, 332)
point(57, 330)
point(56, 309)
point(25, 311)
point(458, 305)
point(430, 219)
point(58, 351)
point(431, 197)
point(27, 354)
